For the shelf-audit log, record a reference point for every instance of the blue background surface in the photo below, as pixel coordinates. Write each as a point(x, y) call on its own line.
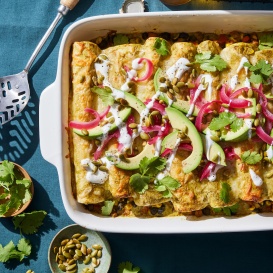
point(22, 24)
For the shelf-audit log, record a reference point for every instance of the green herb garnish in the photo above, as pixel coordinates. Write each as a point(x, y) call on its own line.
point(228, 211)
point(105, 94)
point(166, 185)
point(161, 47)
point(224, 119)
point(251, 158)
point(224, 192)
point(209, 62)
point(266, 41)
point(10, 251)
point(28, 223)
point(260, 72)
point(16, 189)
point(107, 208)
point(120, 39)
point(127, 267)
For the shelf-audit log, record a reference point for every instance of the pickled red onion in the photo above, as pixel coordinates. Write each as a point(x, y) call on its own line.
point(88, 124)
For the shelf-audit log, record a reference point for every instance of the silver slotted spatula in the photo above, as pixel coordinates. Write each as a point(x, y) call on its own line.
point(14, 89)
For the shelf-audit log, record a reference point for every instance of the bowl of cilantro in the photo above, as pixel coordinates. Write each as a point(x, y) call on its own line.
point(16, 189)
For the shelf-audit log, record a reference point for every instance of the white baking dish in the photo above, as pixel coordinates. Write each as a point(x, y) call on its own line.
point(53, 135)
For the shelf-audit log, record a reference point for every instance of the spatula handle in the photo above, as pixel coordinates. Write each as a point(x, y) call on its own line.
point(69, 3)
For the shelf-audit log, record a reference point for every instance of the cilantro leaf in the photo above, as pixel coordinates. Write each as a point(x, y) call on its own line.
point(266, 41)
point(139, 182)
point(127, 267)
point(260, 72)
point(227, 210)
point(209, 62)
point(251, 158)
point(107, 208)
point(28, 223)
point(11, 252)
point(120, 39)
point(224, 119)
point(152, 166)
point(224, 192)
point(161, 47)
point(105, 94)
point(236, 124)
point(6, 171)
point(166, 185)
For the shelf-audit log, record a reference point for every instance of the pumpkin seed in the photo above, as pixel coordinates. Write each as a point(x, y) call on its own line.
point(71, 267)
point(162, 79)
point(99, 255)
point(250, 93)
point(258, 108)
point(62, 267)
point(218, 86)
point(176, 89)
point(133, 125)
point(174, 81)
point(147, 122)
point(78, 246)
point(82, 238)
point(84, 247)
point(97, 142)
point(163, 89)
point(72, 261)
point(180, 84)
point(56, 249)
point(269, 174)
point(191, 85)
point(193, 73)
point(69, 246)
point(94, 253)
point(96, 264)
point(78, 252)
point(91, 269)
point(67, 255)
point(57, 257)
point(103, 169)
point(76, 257)
point(97, 246)
point(61, 257)
point(170, 95)
point(76, 235)
point(256, 122)
point(144, 136)
point(87, 259)
point(215, 138)
point(60, 250)
point(171, 91)
point(154, 113)
point(123, 102)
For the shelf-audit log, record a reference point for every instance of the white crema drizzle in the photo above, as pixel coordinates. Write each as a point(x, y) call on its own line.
point(234, 79)
point(269, 152)
point(178, 69)
point(94, 174)
point(257, 180)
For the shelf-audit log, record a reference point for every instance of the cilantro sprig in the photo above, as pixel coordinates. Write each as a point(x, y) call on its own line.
point(251, 158)
point(161, 47)
point(260, 72)
point(28, 223)
point(210, 62)
point(224, 192)
point(127, 267)
point(224, 119)
point(11, 251)
point(105, 94)
point(16, 189)
point(228, 211)
point(149, 168)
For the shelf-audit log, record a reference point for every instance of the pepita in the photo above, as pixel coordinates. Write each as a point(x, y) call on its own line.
point(67, 255)
point(76, 235)
point(94, 253)
point(78, 246)
point(154, 113)
point(144, 136)
point(133, 125)
point(258, 108)
point(174, 81)
point(250, 93)
point(103, 169)
point(97, 247)
point(78, 252)
point(69, 246)
point(62, 267)
point(87, 259)
point(71, 267)
point(84, 247)
point(61, 257)
point(176, 89)
point(56, 249)
point(99, 255)
point(72, 261)
point(170, 95)
point(191, 85)
point(180, 84)
point(163, 89)
point(215, 138)
point(162, 79)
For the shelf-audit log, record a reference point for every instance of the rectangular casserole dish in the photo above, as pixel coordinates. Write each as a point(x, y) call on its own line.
point(53, 133)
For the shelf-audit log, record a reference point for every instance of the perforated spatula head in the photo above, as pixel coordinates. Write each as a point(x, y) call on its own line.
point(14, 95)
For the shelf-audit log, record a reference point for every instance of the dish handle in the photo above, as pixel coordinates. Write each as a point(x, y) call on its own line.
point(50, 125)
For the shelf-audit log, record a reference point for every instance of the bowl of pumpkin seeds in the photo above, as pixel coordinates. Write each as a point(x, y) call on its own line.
point(75, 249)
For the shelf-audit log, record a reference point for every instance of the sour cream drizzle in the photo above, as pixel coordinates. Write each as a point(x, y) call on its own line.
point(170, 159)
point(94, 175)
point(270, 152)
point(234, 79)
point(212, 175)
point(257, 180)
point(178, 69)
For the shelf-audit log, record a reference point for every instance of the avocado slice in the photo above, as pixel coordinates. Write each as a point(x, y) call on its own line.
point(132, 163)
point(180, 105)
point(214, 151)
point(179, 121)
point(169, 141)
point(98, 131)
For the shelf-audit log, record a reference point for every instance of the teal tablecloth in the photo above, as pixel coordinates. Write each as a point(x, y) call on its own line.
point(22, 24)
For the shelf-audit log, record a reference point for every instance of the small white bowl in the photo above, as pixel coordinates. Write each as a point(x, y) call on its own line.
point(93, 237)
